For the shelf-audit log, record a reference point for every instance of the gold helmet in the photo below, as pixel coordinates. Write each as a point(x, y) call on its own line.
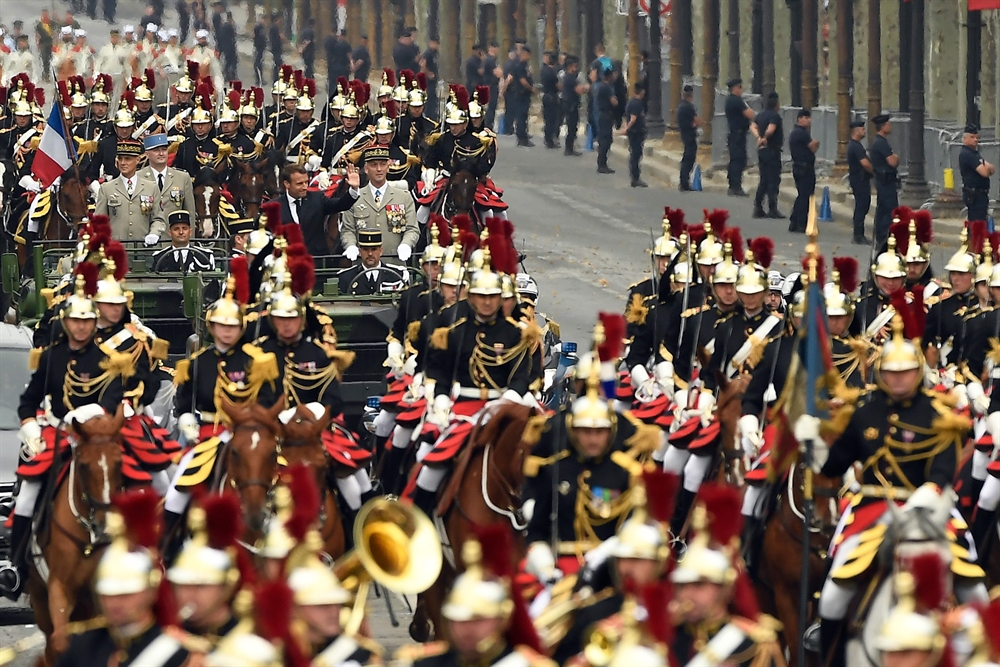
point(351, 109)
point(401, 93)
point(666, 245)
point(682, 274)
point(298, 282)
point(241, 646)
point(306, 95)
point(592, 410)
point(899, 353)
point(889, 264)
point(418, 92)
point(475, 594)
point(995, 276)
point(144, 91)
point(457, 110)
point(124, 117)
point(79, 99)
point(715, 542)
point(434, 252)
point(909, 628)
point(964, 261)
point(339, 100)
point(454, 274)
point(284, 77)
point(199, 563)
point(752, 279)
point(80, 305)
point(710, 250)
point(388, 83)
point(508, 288)
point(643, 535)
point(277, 542)
point(479, 102)
point(727, 272)
point(109, 289)
point(125, 568)
point(838, 294)
point(312, 582)
point(485, 281)
point(386, 122)
point(103, 86)
point(229, 309)
point(202, 106)
point(186, 83)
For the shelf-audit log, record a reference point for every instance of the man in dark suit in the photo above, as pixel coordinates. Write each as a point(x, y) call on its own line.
point(370, 275)
point(309, 210)
point(180, 256)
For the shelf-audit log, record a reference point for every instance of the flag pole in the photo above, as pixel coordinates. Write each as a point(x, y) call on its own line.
point(812, 250)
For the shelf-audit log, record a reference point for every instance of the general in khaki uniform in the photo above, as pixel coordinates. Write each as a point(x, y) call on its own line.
point(130, 201)
point(388, 208)
point(176, 192)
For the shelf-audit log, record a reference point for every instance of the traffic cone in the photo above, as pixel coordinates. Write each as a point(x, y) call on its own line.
point(696, 179)
point(590, 137)
point(825, 212)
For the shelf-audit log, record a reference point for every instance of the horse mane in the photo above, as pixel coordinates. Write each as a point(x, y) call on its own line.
point(503, 417)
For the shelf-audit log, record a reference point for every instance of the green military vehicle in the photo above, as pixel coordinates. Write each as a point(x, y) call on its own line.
point(173, 306)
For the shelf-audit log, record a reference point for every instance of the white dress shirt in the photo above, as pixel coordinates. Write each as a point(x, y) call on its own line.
point(130, 184)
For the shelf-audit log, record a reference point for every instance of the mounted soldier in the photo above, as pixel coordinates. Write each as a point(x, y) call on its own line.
point(300, 137)
point(176, 113)
point(874, 308)
point(201, 147)
point(104, 165)
point(146, 120)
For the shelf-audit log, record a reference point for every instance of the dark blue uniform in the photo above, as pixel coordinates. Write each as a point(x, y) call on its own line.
point(769, 161)
point(886, 179)
point(739, 125)
point(636, 136)
point(605, 121)
point(686, 115)
point(975, 186)
point(859, 179)
point(804, 173)
point(570, 107)
point(522, 97)
point(550, 104)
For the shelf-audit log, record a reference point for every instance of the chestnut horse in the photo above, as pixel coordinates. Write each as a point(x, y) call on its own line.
point(251, 461)
point(62, 220)
point(207, 192)
point(65, 554)
point(251, 182)
point(779, 577)
point(302, 443)
point(484, 489)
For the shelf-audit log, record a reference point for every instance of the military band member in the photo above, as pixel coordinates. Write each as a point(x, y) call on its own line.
point(74, 380)
point(383, 205)
point(180, 256)
point(370, 275)
point(130, 201)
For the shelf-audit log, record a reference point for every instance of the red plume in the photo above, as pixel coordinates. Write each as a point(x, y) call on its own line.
point(298, 78)
point(343, 85)
point(286, 73)
point(165, 606)
point(696, 234)
point(139, 510)
point(614, 336)
point(240, 271)
point(900, 230)
point(115, 251)
point(497, 545)
point(108, 82)
point(293, 234)
point(763, 251)
point(977, 234)
point(898, 300)
point(847, 267)
point(295, 250)
point(303, 272)
point(272, 212)
point(498, 253)
point(273, 609)
point(63, 94)
point(89, 272)
point(192, 70)
point(991, 626)
point(406, 77)
point(439, 222)
point(310, 87)
point(39, 96)
point(734, 236)
point(150, 78)
point(903, 214)
point(389, 77)
point(470, 243)
point(223, 520)
point(483, 95)
point(305, 501)
point(463, 222)
point(209, 86)
point(717, 219)
point(135, 83)
point(655, 598)
point(236, 85)
point(422, 83)
point(364, 94)
point(234, 99)
point(391, 110)
point(661, 492)
point(3, 95)
point(675, 217)
point(820, 269)
point(462, 98)
point(930, 578)
point(925, 226)
point(100, 224)
point(98, 239)
point(744, 601)
point(129, 99)
point(995, 244)
point(258, 97)
point(722, 504)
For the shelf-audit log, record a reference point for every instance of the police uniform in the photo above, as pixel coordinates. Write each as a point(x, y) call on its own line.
point(686, 116)
point(736, 140)
point(803, 172)
point(975, 186)
point(769, 160)
point(860, 182)
point(886, 180)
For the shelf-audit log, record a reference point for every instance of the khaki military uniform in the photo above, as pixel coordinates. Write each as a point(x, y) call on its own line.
point(132, 218)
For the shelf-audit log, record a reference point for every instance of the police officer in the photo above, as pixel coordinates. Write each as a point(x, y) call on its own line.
point(524, 88)
point(770, 139)
point(884, 165)
point(688, 123)
point(606, 102)
point(740, 118)
point(803, 148)
point(570, 89)
point(976, 172)
point(549, 78)
point(859, 174)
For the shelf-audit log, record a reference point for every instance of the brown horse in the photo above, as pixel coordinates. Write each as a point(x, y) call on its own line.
point(302, 443)
point(61, 221)
point(207, 193)
point(728, 409)
point(779, 577)
point(251, 182)
point(484, 489)
point(251, 460)
point(71, 544)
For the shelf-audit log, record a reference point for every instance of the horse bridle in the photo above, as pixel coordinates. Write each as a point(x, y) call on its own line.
point(92, 506)
point(267, 485)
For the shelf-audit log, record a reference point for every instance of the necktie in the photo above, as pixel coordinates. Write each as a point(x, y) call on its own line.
point(159, 179)
point(128, 187)
point(378, 197)
point(298, 210)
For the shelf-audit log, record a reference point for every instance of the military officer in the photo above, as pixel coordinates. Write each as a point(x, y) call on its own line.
point(104, 166)
point(458, 149)
point(976, 173)
point(888, 276)
point(174, 191)
point(146, 120)
point(19, 61)
point(201, 146)
point(414, 126)
point(371, 276)
point(347, 138)
point(130, 201)
point(300, 136)
point(239, 236)
point(383, 205)
point(251, 126)
point(74, 380)
point(176, 114)
point(859, 173)
point(885, 164)
point(180, 256)
point(946, 320)
point(850, 353)
point(423, 297)
point(126, 586)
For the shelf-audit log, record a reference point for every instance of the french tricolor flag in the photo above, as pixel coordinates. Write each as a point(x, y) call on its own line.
point(54, 155)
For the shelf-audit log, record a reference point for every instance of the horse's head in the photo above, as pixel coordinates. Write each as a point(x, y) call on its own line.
point(302, 439)
point(207, 191)
point(462, 191)
point(507, 434)
point(250, 185)
point(72, 198)
point(252, 463)
point(97, 464)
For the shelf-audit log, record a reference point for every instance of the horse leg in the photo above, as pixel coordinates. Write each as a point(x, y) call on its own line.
point(335, 543)
point(61, 603)
point(420, 624)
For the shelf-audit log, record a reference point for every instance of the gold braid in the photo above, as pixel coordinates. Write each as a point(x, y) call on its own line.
point(586, 517)
point(76, 387)
point(484, 357)
point(296, 381)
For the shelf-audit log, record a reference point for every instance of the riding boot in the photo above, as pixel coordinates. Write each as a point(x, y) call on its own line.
point(392, 471)
point(173, 535)
point(28, 270)
point(12, 581)
point(751, 525)
point(984, 533)
point(425, 501)
point(348, 519)
point(681, 509)
point(368, 495)
point(832, 646)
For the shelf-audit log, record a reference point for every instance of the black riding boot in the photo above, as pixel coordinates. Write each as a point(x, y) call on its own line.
point(984, 534)
point(12, 581)
point(392, 471)
point(425, 501)
point(348, 519)
point(681, 510)
point(832, 644)
point(750, 540)
point(173, 535)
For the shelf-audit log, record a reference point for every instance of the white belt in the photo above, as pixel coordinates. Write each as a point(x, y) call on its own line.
point(471, 392)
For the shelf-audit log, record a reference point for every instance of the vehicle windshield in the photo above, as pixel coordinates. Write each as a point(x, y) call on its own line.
point(15, 374)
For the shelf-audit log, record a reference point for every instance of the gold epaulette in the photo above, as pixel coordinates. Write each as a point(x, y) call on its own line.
point(342, 359)
point(552, 325)
point(118, 363)
point(439, 339)
point(160, 349)
point(533, 430)
point(931, 300)
point(182, 372)
point(263, 367)
point(531, 334)
point(626, 462)
point(636, 311)
point(417, 651)
point(432, 139)
point(413, 331)
point(533, 657)
point(646, 438)
point(252, 316)
point(694, 311)
point(533, 464)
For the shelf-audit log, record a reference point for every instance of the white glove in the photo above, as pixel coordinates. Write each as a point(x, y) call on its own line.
point(978, 399)
point(639, 375)
point(30, 435)
point(440, 411)
point(313, 162)
point(705, 406)
point(749, 427)
point(993, 427)
point(961, 394)
point(807, 430)
point(540, 562)
point(394, 358)
point(95, 188)
point(410, 365)
point(403, 251)
point(84, 413)
point(512, 396)
point(30, 184)
point(352, 253)
point(664, 374)
point(127, 410)
point(188, 426)
point(151, 239)
point(926, 497)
